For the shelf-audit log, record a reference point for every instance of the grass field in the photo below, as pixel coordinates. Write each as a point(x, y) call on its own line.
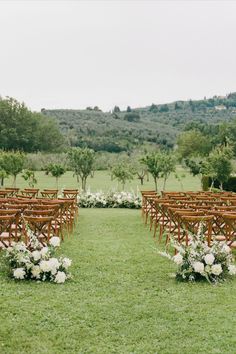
point(122, 299)
point(102, 181)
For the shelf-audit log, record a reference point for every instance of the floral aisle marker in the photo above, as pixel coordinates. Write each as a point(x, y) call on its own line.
point(37, 262)
point(198, 261)
point(109, 200)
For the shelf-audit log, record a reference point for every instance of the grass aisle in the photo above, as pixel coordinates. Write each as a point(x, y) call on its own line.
point(121, 299)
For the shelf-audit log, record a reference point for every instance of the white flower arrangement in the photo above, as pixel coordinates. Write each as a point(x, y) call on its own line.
point(109, 200)
point(198, 261)
point(37, 262)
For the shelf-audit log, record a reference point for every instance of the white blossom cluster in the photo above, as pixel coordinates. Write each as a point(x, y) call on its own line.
point(197, 260)
point(109, 200)
point(37, 262)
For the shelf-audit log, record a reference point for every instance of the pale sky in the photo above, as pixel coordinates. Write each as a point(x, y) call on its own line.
point(74, 54)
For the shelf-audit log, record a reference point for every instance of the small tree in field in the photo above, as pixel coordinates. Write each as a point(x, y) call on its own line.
point(220, 165)
point(152, 161)
point(82, 161)
point(168, 165)
point(56, 171)
point(29, 176)
point(122, 173)
point(13, 163)
point(159, 164)
point(3, 173)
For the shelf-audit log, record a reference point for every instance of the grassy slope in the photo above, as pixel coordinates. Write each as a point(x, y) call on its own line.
point(102, 181)
point(122, 299)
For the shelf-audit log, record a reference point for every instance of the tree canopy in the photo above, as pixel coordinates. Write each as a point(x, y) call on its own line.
point(21, 129)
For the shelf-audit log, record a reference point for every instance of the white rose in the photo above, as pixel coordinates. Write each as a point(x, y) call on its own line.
point(55, 241)
point(44, 251)
point(60, 277)
point(54, 265)
point(36, 255)
point(45, 266)
point(66, 262)
point(226, 249)
point(36, 272)
point(19, 273)
point(20, 247)
point(198, 267)
point(232, 269)
point(178, 259)
point(216, 269)
point(209, 259)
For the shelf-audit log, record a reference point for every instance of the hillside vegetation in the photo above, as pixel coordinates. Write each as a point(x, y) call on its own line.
point(152, 125)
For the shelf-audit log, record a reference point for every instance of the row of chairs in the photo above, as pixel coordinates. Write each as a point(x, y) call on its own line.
point(35, 192)
point(178, 214)
point(45, 217)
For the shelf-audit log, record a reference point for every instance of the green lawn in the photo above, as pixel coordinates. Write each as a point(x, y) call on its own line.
point(102, 181)
point(122, 299)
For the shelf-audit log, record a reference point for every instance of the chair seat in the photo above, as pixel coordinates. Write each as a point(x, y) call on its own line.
point(220, 238)
point(4, 235)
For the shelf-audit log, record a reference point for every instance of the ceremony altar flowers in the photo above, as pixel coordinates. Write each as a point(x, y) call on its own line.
point(198, 261)
point(37, 262)
point(109, 200)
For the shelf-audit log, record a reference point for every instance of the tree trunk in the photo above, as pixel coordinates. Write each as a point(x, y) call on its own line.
point(14, 181)
point(83, 180)
point(221, 186)
point(212, 185)
point(164, 184)
point(141, 180)
point(57, 182)
point(155, 180)
point(2, 181)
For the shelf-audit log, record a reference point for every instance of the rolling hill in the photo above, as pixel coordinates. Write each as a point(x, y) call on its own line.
point(152, 125)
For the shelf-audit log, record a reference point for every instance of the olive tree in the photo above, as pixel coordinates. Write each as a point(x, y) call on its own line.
point(82, 161)
point(152, 162)
point(12, 163)
point(56, 170)
point(220, 165)
point(29, 176)
point(123, 173)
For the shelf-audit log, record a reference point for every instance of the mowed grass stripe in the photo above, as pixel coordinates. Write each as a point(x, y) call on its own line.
point(122, 299)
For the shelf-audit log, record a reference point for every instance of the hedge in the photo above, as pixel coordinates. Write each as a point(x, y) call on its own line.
point(230, 185)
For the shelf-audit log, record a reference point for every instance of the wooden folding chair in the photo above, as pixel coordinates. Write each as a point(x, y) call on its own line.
point(7, 231)
point(41, 226)
point(230, 228)
point(30, 192)
point(49, 193)
point(192, 224)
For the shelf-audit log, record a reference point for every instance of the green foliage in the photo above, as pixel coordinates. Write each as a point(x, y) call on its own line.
point(82, 163)
point(122, 172)
point(152, 162)
point(30, 177)
point(220, 164)
point(159, 164)
point(194, 165)
point(12, 163)
point(193, 143)
point(168, 165)
point(164, 108)
point(116, 109)
point(56, 170)
point(132, 117)
point(24, 130)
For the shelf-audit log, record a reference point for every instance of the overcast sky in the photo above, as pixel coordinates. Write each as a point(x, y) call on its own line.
point(74, 54)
